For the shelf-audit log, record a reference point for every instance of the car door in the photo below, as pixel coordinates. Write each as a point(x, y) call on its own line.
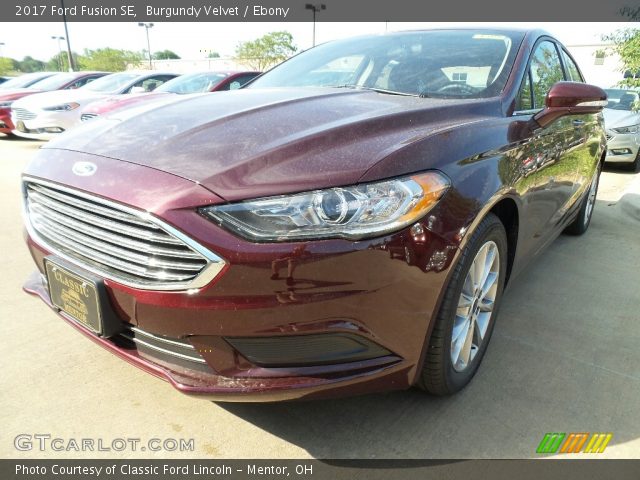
point(583, 148)
point(548, 172)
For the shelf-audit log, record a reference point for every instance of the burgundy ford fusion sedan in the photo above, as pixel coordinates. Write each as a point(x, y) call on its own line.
point(347, 223)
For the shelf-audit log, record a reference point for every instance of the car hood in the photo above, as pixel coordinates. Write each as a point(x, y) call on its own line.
point(619, 118)
point(16, 94)
point(251, 142)
point(48, 99)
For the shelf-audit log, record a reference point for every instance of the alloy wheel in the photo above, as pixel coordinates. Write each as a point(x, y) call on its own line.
point(475, 306)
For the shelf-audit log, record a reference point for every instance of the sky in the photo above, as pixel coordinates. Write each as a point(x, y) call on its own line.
point(189, 40)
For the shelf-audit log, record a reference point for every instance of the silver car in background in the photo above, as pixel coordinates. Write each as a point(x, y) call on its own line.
point(622, 123)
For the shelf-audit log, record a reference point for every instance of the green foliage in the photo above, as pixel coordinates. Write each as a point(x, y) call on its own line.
point(30, 64)
point(7, 65)
point(109, 59)
point(60, 62)
point(266, 51)
point(626, 43)
point(213, 55)
point(166, 55)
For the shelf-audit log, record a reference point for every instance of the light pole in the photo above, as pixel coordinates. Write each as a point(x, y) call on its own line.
point(315, 8)
point(147, 26)
point(60, 65)
point(66, 32)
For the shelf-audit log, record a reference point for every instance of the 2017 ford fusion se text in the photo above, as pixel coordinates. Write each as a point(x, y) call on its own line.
point(346, 223)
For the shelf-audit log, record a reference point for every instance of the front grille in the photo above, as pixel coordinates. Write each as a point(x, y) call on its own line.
point(23, 114)
point(88, 116)
point(117, 242)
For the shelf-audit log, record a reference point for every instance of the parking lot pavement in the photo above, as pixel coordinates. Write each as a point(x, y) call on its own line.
point(563, 358)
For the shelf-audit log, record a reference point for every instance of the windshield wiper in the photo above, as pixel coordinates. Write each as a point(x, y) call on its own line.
point(373, 89)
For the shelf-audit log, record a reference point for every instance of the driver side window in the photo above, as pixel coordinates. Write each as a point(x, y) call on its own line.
point(545, 70)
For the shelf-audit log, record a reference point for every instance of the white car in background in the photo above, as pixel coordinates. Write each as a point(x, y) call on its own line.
point(622, 124)
point(45, 115)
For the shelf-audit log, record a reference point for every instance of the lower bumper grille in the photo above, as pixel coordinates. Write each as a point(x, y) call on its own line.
point(170, 350)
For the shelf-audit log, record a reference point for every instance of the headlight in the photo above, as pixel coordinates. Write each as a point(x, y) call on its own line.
point(629, 129)
point(62, 108)
point(355, 212)
point(5, 104)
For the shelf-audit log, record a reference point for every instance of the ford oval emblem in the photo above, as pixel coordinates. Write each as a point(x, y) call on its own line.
point(84, 169)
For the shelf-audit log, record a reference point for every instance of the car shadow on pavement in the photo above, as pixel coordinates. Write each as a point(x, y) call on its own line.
point(563, 358)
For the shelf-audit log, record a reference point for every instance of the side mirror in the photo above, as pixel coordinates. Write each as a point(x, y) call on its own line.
point(137, 90)
point(570, 98)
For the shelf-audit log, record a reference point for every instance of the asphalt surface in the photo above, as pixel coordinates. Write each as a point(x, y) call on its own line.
point(563, 358)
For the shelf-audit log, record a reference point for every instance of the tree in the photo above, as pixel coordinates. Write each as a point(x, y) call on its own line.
point(60, 61)
point(7, 65)
point(109, 59)
point(30, 64)
point(213, 55)
point(626, 43)
point(266, 51)
point(166, 55)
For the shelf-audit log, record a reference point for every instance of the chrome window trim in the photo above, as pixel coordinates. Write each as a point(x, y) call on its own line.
point(214, 266)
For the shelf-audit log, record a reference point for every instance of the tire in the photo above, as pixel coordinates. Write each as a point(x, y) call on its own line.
point(444, 373)
point(583, 220)
point(635, 165)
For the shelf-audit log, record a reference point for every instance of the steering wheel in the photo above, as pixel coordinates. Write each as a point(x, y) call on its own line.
point(463, 88)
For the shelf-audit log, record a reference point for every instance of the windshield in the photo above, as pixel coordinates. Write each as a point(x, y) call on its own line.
point(111, 83)
point(23, 81)
point(193, 83)
point(437, 63)
point(55, 82)
point(619, 99)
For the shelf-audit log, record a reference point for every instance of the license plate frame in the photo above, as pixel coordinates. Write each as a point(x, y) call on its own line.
point(75, 294)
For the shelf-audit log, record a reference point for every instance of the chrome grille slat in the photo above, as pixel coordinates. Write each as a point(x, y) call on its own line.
point(45, 225)
point(88, 116)
point(23, 114)
point(102, 222)
point(96, 256)
point(147, 248)
point(117, 242)
point(192, 357)
point(91, 206)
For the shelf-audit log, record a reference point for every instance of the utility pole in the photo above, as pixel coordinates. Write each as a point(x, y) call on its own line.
point(315, 9)
point(60, 63)
point(147, 26)
point(66, 33)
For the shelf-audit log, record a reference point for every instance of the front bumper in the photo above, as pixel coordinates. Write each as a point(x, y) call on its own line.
point(6, 125)
point(268, 292)
point(622, 147)
point(45, 125)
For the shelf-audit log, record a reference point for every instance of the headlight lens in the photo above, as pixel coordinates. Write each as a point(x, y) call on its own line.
point(62, 108)
point(354, 212)
point(5, 104)
point(629, 129)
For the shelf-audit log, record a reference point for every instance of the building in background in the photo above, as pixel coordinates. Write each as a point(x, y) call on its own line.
point(599, 64)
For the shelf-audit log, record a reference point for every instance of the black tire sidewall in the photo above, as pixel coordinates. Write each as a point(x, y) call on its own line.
point(490, 229)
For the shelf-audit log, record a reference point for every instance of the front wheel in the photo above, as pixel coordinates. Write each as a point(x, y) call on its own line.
point(466, 318)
